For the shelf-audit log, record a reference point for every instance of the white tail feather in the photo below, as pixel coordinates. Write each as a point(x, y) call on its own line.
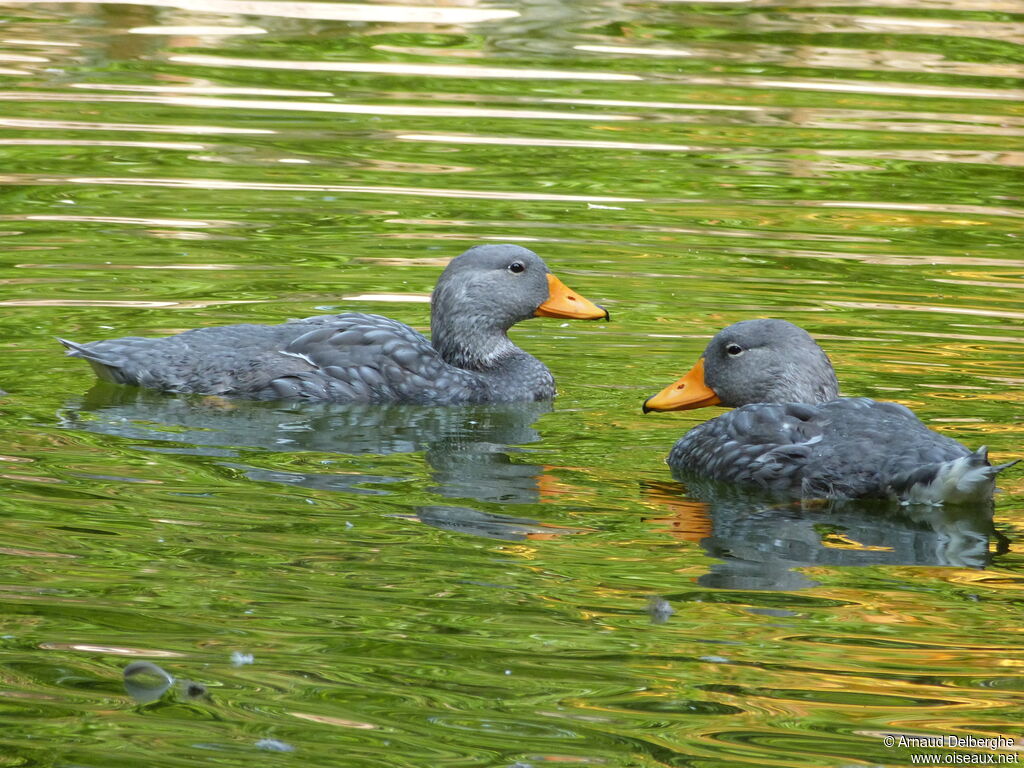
point(967, 480)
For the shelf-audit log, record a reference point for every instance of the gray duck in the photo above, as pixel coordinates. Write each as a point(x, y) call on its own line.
point(364, 358)
point(790, 431)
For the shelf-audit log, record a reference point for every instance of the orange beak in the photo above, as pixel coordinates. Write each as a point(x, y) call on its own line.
point(564, 303)
point(686, 394)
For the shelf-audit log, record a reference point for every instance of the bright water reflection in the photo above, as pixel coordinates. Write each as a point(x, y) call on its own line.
point(764, 543)
point(509, 586)
point(468, 448)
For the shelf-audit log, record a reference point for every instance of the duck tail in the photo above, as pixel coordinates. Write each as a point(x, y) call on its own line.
point(105, 369)
point(968, 479)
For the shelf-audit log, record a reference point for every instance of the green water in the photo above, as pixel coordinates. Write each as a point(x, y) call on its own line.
point(486, 587)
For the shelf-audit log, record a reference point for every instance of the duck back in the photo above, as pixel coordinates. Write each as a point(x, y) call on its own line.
point(845, 448)
point(351, 357)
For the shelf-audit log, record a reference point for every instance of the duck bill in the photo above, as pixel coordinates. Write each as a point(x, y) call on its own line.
point(686, 394)
point(563, 302)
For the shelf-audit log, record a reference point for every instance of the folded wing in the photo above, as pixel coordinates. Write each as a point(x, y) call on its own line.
point(352, 357)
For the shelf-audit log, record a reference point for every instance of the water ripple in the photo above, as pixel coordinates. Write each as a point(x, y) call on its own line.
point(868, 87)
point(327, 11)
point(390, 68)
point(210, 184)
point(305, 106)
point(523, 141)
point(146, 222)
point(410, 579)
point(197, 31)
point(820, 57)
point(78, 125)
point(975, 311)
point(204, 90)
point(170, 145)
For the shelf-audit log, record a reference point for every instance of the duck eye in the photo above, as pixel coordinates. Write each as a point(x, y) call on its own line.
point(516, 266)
point(734, 349)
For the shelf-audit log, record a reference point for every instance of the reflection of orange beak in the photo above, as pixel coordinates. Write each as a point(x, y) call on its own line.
point(687, 393)
point(564, 303)
point(552, 490)
point(687, 519)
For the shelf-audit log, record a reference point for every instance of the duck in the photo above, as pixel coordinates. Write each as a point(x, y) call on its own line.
point(366, 358)
point(790, 432)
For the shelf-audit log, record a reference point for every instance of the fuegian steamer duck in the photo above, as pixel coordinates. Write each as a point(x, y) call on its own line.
point(790, 431)
point(363, 358)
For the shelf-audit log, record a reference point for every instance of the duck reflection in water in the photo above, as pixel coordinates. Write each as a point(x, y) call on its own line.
point(761, 541)
point(468, 448)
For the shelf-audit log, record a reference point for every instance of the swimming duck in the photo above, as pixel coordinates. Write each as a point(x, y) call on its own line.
point(363, 358)
point(791, 432)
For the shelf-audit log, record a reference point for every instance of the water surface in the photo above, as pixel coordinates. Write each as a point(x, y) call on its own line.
point(514, 586)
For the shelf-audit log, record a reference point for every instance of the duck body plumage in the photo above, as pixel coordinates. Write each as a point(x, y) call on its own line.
point(351, 357)
point(853, 448)
point(790, 433)
point(366, 358)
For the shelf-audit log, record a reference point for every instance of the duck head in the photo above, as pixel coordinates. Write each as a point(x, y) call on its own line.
point(753, 361)
point(489, 288)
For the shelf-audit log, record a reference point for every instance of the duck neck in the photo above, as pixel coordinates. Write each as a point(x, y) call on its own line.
point(471, 346)
point(465, 338)
point(478, 342)
point(506, 372)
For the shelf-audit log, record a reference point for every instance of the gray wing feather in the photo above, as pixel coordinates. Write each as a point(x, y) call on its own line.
point(352, 357)
point(850, 447)
point(764, 444)
point(374, 359)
